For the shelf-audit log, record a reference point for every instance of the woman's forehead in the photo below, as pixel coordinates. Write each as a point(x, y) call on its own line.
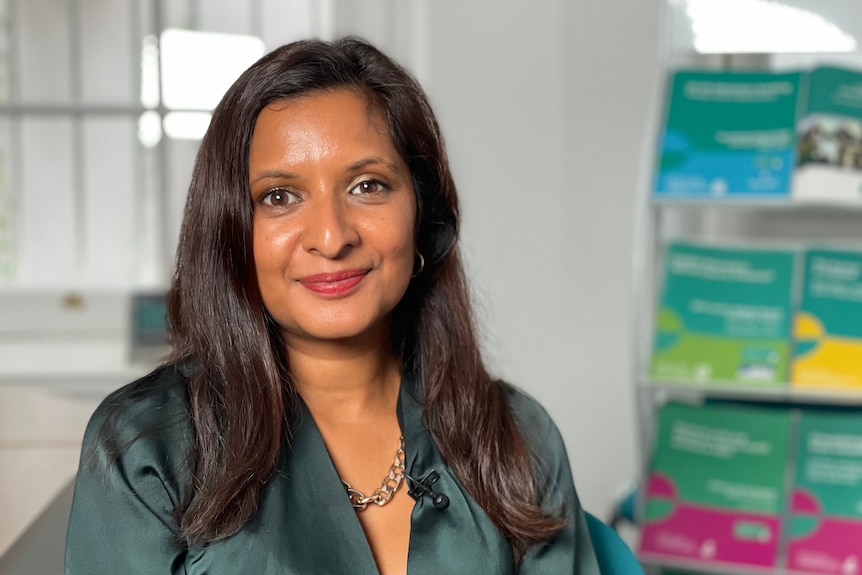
point(326, 124)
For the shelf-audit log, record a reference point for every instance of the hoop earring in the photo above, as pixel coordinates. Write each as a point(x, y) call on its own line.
point(421, 265)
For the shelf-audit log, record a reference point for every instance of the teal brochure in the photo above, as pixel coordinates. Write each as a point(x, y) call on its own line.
point(724, 316)
point(825, 519)
point(728, 135)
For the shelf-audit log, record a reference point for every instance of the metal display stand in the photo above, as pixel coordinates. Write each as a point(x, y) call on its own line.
point(721, 222)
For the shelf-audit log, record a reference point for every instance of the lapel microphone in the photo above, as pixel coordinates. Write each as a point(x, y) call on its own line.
point(419, 488)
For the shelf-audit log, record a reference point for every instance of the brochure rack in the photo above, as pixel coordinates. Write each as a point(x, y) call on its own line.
point(749, 324)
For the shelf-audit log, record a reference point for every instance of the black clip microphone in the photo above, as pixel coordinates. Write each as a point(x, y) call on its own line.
point(421, 487)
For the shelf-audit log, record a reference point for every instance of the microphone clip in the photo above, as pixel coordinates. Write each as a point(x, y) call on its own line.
point(419, 488)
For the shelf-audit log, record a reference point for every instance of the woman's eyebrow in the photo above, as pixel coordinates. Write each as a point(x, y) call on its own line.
point(373, 160)
point(274, 174)
point(355, 166)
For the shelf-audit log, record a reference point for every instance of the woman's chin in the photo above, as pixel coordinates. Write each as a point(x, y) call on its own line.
point(339, 333)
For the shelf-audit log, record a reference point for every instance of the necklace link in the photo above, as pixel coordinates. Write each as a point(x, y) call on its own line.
point(390, 484)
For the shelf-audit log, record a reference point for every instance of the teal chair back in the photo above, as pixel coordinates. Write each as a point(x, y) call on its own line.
point(615, 557)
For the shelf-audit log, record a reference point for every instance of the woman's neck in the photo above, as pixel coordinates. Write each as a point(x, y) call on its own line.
point(343, 383)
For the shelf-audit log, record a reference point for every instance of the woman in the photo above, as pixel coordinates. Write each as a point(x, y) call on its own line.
point(326, 409)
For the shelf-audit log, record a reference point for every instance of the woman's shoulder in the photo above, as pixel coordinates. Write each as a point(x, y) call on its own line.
point(135, 471)
point(152, 411)
point(530, 415)
point(536, 426)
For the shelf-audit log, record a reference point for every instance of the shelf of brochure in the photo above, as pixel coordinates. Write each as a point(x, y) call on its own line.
point(726, 390)
point(752, 374)
point(745, 335)
point(759, 317)
point(777, 204)
point(762, 136)
point(751, 488)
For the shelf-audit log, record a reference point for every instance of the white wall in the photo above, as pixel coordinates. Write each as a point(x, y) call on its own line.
point(545, 107)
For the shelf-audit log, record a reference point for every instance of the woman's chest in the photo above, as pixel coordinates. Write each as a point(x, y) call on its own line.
point(306, 524)
point(301, 538)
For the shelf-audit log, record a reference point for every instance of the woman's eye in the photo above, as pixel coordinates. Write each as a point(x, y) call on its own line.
point(368, 187)
point(279, 197)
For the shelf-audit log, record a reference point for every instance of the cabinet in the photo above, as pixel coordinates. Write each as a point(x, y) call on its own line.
point(751, 463)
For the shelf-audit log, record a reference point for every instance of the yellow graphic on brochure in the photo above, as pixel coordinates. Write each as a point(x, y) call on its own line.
point(823, 361)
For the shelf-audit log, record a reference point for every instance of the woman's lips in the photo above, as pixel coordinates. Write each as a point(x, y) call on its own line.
point(334, 284)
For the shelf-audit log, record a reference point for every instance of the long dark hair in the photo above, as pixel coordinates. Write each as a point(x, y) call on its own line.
point(242, 382)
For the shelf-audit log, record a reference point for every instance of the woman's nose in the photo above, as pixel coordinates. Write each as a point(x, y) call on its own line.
point(329, 230)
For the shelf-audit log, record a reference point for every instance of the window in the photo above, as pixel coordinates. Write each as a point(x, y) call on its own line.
point(98, 132)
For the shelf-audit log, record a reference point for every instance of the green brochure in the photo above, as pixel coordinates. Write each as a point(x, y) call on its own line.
point(724, 316)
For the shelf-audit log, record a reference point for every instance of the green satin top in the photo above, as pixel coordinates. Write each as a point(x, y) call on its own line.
point(122, 515)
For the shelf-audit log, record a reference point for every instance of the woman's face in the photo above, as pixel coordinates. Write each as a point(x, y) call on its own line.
point(334, 216)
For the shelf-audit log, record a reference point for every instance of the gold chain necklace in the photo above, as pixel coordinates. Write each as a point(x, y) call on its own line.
point(388, 486)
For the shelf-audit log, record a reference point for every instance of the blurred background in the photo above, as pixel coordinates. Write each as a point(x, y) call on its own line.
point(549, 109)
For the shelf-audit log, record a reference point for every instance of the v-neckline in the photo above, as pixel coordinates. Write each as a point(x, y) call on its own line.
point(340, 516)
